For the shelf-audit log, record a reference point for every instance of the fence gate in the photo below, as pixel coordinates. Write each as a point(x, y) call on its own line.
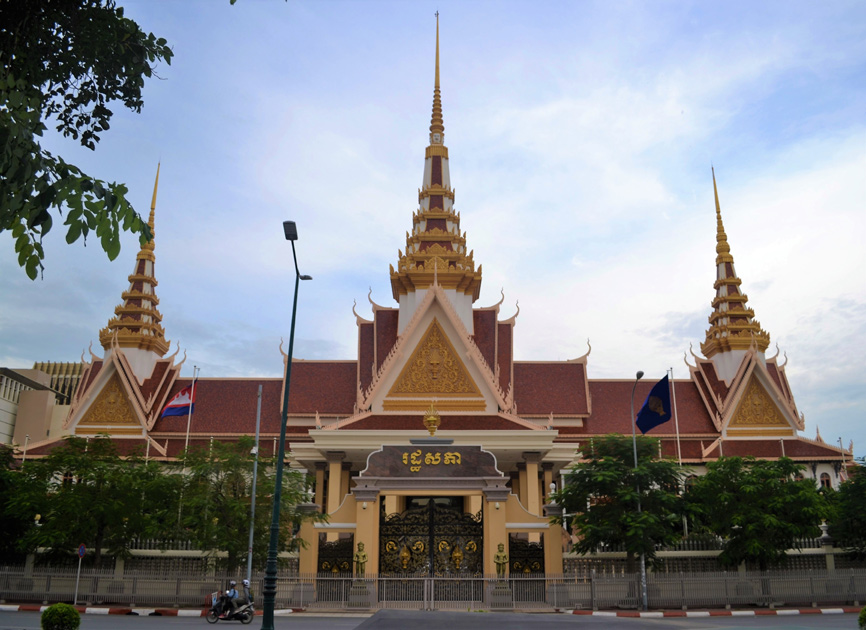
point(434, 537)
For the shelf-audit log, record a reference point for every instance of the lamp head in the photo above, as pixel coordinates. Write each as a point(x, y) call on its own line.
point(306, 277)
point(290, 230)
point(639, 375)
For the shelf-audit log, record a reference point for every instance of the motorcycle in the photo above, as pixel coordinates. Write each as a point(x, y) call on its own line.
point(244, 613)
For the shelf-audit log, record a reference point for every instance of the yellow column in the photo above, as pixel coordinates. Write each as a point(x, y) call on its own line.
point(345, 476)
point(320, 485)
point(308, 556)
point(335, 477)
point(335, 474)
point(547, 467)
point(494, 530)
point(553, 549)
point(533, 499)
point(521, 475)
point(367, 528)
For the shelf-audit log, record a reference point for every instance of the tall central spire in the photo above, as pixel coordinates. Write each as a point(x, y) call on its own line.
point(136, 322)
point(437, 126)
point(435, 249)
point(732, 325)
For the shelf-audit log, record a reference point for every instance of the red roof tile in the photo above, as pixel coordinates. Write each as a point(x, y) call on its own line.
point(386, 333)
point(504, 353)
point(484, 334)
point(611, 409)
point(544, 388)
point(366, 348)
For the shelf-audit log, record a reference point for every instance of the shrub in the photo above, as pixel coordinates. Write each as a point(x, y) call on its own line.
point(862, 618)
point(60, 617)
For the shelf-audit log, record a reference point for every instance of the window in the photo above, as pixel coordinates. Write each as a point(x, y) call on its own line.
point(825, 481)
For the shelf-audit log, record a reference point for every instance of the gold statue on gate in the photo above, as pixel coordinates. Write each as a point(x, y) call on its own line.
point(457, 557)
point(405, 556)
point(360, 560)
point(500, 558)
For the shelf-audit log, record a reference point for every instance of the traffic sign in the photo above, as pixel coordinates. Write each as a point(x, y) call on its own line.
point(81, 550)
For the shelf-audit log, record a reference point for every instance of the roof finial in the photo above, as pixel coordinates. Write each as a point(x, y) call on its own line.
point(437, 127)
point(723, 250)
point(150, 221)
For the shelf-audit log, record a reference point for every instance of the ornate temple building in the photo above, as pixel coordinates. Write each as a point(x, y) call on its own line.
point(434, 446)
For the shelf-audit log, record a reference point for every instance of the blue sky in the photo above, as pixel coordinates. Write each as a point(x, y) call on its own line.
point(581, 136)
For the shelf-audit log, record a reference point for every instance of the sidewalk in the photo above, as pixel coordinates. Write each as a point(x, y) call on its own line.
point(201, 612)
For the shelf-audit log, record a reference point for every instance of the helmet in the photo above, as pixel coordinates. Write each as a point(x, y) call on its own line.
point(233, 583)
point(246, 582)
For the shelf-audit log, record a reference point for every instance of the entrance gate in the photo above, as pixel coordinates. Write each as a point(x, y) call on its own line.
point(434, 537)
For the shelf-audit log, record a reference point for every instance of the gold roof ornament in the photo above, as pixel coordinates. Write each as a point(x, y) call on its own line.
point(732, 324)
point(435, 250)
point(137, 321)
point(432, 419)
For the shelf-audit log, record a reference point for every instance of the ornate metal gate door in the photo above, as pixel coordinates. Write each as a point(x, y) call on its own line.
point(436, 539)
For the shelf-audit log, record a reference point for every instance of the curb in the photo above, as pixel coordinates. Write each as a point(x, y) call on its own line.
point(719, 613)
point(139, 612)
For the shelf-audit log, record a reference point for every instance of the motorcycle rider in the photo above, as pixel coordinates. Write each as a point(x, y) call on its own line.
point(228, 600)
point(246, 597)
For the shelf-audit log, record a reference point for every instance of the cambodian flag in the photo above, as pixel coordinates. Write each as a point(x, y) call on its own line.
point(182, 404)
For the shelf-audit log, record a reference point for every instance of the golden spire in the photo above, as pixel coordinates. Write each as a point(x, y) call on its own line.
point(435, 249)
point(149, 246)
point(437, 126)
point(732, 324)
point(136, 322)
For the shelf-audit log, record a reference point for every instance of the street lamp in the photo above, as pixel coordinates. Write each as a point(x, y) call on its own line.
point(270, 589)
point(643, 595)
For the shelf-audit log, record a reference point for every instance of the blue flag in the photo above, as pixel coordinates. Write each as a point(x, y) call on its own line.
point(657, 408)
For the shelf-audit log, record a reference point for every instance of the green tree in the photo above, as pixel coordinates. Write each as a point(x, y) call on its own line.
point(66, 61)
point(602, 493)
point(759, 508)
point(217, 498)
point(12, 525)
point(849, 525)
point(87, 493)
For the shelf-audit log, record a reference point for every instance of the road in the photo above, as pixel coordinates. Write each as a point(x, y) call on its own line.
point(419, 620)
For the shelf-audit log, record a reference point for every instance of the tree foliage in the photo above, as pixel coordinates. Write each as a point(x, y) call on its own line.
point(849, 525)
point(217, 500)
point(602, 493)
point(759, 508)
point(85, 492)
point(64, 62)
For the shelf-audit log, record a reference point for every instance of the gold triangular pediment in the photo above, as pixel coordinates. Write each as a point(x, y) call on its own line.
point(757, 409)
point(435, 369)
point(111, 408)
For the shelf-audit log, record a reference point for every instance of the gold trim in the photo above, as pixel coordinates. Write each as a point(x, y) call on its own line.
point(770, 431)
point(94, 430)
point(441, 405)
point(434, 369)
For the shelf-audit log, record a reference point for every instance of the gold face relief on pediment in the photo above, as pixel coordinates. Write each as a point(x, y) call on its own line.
point(757, 408)
point(111, 407)
point(435, 368)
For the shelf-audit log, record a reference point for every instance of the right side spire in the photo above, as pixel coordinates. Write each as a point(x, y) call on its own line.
point(732, 324)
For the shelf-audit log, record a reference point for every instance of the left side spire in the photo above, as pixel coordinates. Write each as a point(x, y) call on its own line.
point(137, 321)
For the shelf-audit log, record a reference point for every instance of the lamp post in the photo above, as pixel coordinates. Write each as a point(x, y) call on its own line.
point(643, 595)
point(270, 589)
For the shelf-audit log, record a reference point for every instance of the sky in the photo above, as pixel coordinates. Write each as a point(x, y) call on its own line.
point(581, 137)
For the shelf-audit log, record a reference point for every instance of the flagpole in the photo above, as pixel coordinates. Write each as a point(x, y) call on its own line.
point(638, 376)
point(676, 419)
point(186, 444)
point(189, 415)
